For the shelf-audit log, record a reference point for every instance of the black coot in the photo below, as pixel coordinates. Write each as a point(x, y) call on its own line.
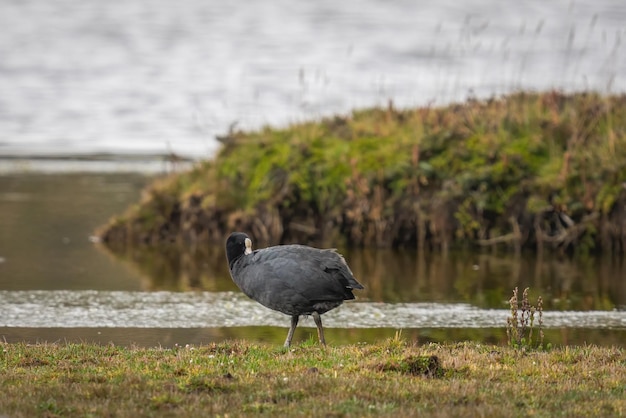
point(292, 279)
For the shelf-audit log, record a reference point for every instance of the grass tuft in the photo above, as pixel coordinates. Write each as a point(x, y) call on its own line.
point(427, 366)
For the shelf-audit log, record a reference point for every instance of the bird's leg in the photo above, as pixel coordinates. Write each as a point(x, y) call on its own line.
point(320, 331)
point(294, 324)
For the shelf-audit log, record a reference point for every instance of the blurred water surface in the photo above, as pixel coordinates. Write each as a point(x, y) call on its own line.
point(46, 222)
point(139, 76)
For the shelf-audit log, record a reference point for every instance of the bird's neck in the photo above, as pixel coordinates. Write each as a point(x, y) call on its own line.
point(233, 260)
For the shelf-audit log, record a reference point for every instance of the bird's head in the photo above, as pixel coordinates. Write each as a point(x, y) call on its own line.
point(237, 245)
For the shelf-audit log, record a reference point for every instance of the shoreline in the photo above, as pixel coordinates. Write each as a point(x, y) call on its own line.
point(148, 164)
point(523, 171)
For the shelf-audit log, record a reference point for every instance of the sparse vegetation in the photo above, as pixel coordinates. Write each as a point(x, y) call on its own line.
point(237, 378)
point(528, 170)
point(520, 325)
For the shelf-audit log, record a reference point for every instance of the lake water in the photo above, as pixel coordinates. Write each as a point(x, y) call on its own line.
point(80, 80)
point(57, 284)
point(154, 77)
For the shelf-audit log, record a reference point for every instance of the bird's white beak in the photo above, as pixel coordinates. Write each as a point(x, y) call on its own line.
point(248, 246)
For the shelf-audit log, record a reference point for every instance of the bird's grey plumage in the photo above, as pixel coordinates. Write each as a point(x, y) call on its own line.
point(292, 279)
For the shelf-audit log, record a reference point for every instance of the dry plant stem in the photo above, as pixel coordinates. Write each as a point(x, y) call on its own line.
point(540, 309)
point(513, 319)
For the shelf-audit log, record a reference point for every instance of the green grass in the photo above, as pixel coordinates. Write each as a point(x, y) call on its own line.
point(237, 378)
point(528, 170)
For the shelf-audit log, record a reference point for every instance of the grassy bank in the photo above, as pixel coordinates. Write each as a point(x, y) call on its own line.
point(239, 378)
point(524, 171)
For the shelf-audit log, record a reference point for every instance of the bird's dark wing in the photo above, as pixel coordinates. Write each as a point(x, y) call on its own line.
point(294, 279)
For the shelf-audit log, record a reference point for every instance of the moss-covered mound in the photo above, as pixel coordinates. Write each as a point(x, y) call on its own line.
point(527, 170)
